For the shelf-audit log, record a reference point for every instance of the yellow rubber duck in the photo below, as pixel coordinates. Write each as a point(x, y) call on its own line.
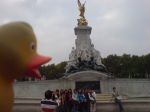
point(18, 57)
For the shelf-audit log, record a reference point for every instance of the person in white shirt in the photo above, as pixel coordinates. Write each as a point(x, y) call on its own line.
point(92, 97)
point(117, 99)
point(75, 101)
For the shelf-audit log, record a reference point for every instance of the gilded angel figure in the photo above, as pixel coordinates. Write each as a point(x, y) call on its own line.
point(81, 8)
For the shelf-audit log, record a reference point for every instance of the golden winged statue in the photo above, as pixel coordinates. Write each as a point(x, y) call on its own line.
point(82, 20)
point(81, 8)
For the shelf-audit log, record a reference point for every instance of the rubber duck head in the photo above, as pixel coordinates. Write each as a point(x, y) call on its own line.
point(18, 51)
point(18, 57)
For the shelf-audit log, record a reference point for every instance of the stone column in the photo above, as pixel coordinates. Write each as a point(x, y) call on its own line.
point(83, 41)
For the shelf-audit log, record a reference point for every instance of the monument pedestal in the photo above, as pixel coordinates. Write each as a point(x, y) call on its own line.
point(83, 42)
point(89, 75)
point(88, 79)
point(84, 66)
point(84, 56)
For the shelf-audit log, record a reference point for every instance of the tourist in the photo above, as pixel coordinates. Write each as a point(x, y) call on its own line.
point(66, 100)
point(62, 99)
point(84, 103)
point(54, 98)
point(92, 96)
point(47, 104)
point(75, 101)
point(82, 99)
point(57, 94)
point(117, 99)
point(87, 103)
point(70, 100)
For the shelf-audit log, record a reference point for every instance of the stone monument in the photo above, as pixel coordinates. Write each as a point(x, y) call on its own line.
point(84, 56)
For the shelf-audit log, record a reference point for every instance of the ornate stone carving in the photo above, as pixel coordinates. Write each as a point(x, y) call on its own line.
point(84, 56)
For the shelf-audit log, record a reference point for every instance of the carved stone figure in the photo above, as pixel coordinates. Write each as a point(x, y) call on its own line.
point(72, 55)
point(96, 55)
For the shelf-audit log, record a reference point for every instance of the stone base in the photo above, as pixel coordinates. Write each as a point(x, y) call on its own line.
point(89, 75)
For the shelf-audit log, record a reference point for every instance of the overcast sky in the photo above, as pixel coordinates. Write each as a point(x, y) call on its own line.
point(118, 26)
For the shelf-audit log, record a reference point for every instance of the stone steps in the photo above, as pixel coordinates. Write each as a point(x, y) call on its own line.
point(99, 97)
point(108, 97)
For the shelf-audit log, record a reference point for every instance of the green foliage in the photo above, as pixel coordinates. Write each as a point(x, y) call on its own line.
point(127, 66)
point(53, 71)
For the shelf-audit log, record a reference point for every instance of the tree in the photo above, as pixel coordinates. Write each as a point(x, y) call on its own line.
point(53, 71)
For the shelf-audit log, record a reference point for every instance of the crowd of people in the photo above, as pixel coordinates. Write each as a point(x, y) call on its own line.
point(81, 100)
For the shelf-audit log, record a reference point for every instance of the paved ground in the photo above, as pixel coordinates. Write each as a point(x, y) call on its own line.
point(131, 105)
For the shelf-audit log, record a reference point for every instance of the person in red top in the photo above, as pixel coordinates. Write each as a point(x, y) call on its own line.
point(47, 104)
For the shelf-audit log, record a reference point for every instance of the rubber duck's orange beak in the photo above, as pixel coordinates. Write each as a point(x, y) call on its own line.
point(36, 62)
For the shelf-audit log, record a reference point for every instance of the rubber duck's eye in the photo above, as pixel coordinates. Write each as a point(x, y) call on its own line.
point(33, 47)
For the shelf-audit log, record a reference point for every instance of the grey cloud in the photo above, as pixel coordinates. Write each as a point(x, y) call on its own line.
point(119, 26)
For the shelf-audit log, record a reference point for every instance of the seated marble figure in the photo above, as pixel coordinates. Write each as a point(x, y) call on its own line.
point(83, 65)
